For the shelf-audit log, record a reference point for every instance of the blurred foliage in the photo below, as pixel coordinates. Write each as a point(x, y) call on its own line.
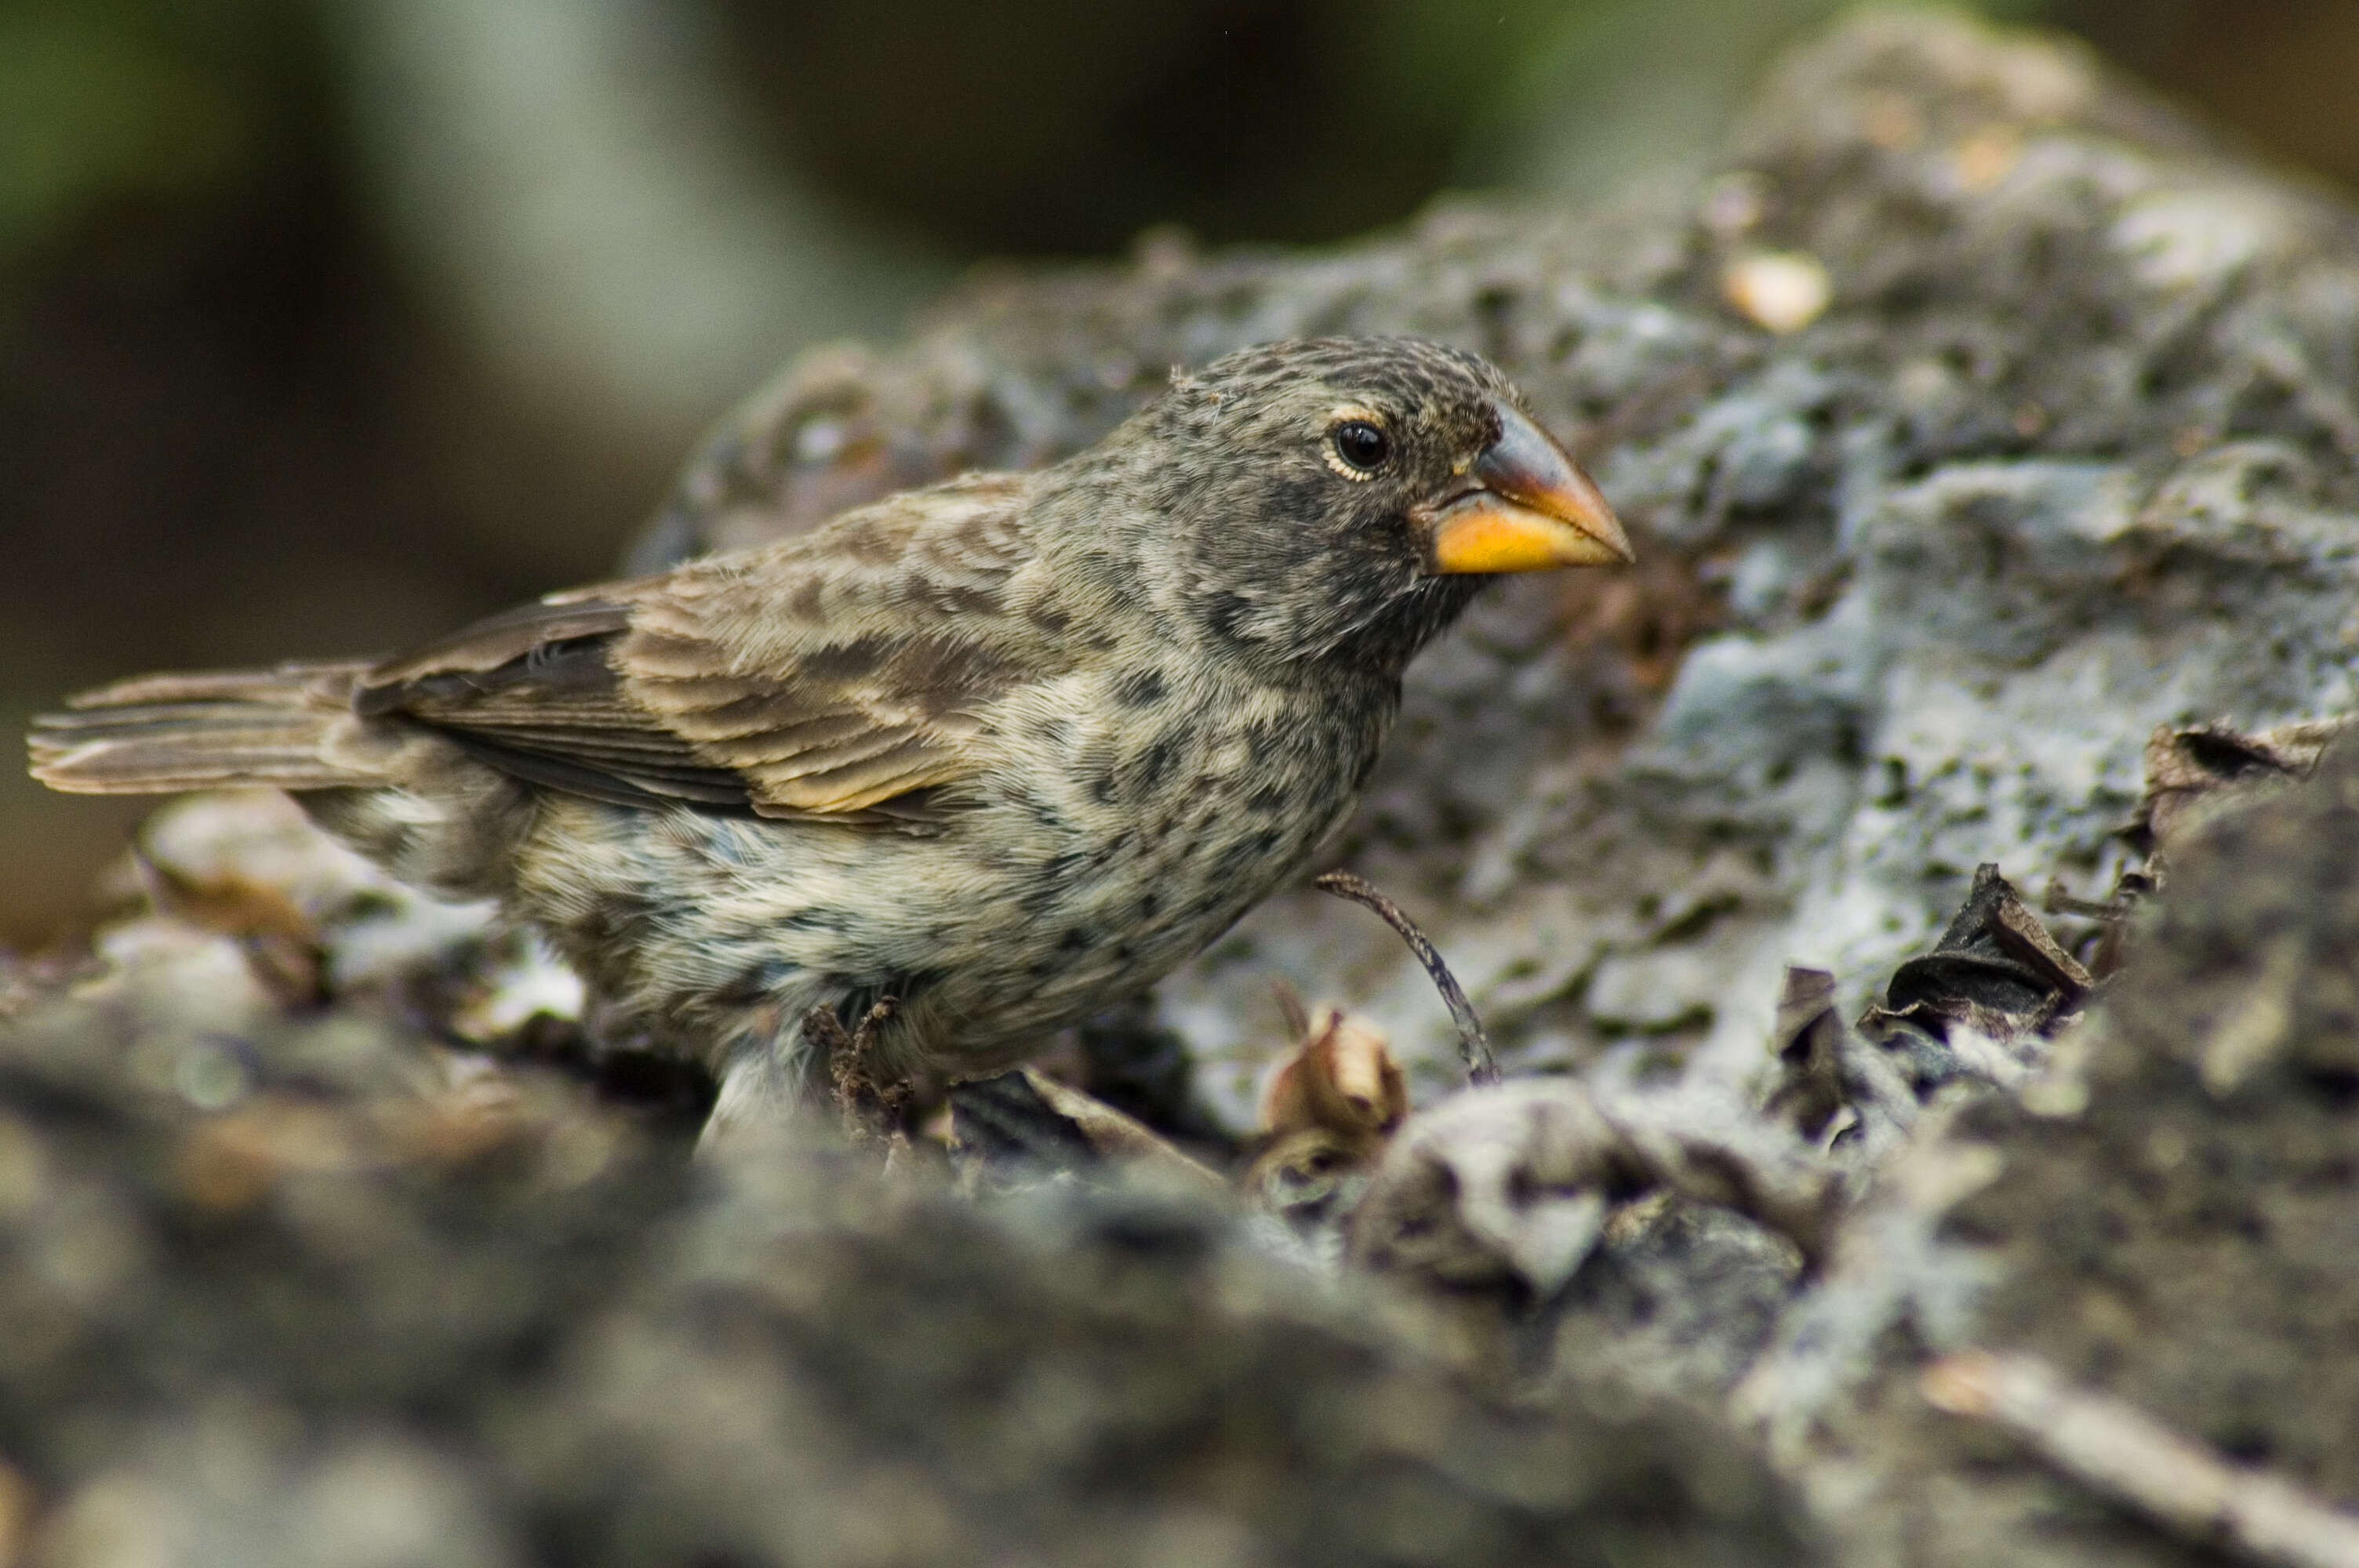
point(1066, 126)
point(107, 105)
point(1032, 126)
point(2278, 72)
point(1608, 91)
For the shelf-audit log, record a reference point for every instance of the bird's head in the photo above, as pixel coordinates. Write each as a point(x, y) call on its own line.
point(1346, 496)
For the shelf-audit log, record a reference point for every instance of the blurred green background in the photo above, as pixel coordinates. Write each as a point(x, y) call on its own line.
point(325, 324)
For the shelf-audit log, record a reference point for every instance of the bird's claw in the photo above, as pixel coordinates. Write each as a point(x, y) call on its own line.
point(871, 1111)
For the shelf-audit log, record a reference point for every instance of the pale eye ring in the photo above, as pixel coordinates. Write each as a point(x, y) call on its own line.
point(1362, 447)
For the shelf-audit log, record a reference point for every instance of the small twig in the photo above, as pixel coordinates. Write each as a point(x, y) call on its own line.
point(1118, 1137)
point(2059, 900)
point(1291, 1006)
point(1473, 1046)
point(2124, 1453)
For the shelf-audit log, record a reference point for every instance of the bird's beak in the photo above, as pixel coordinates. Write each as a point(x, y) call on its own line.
point(1526, 507)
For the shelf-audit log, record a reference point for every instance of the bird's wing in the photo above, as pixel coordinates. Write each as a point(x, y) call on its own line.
point(845, 674)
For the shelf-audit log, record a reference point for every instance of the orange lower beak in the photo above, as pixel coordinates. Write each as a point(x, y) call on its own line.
point(1530, 508)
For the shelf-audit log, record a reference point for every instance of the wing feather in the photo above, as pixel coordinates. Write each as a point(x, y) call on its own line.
point(838, 675)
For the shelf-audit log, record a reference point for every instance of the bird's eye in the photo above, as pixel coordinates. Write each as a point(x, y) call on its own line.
point(1362, 445)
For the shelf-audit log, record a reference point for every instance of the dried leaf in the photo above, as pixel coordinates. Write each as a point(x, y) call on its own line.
point(1513, 1182)
point(1326, 1118)
point(1806, 1043)
point(2194, 773)
point(1342, 1077)
point(1995, 971)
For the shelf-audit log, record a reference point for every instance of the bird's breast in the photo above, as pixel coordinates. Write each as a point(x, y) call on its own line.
point(1124, 833)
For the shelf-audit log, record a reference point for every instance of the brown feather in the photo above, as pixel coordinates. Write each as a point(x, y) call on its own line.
point(153, 734)
point(498, 640)
point(783, 681)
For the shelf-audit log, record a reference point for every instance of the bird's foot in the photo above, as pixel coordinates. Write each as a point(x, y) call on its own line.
point(872, 1110)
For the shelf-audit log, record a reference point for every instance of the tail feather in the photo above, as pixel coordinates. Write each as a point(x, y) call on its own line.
point(160, 734)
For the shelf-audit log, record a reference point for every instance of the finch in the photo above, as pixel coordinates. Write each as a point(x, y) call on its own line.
point(1005, 750)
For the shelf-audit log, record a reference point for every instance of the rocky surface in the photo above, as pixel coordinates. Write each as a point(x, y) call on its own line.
point(2076, 423)
point(2170, 1212)
point(1977, 418)
point(320, 1319)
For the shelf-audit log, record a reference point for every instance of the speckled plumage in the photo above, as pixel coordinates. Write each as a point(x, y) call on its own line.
point(1006, 749)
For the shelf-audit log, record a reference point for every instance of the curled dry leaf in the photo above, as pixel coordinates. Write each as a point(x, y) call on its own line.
point(2193, 774)
point(1808, 1044)
point(1985, 1005)
point(1342, 1077)
point(1502, 1184)
point(1326, 1118)
point(1834, 1088)
point(1995, 973)
point(1513, 1184)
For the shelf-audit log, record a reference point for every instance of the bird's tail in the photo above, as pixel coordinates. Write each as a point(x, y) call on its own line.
point(160, 734)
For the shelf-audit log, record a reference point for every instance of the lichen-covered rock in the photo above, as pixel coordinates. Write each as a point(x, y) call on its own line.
point(837, 1373)
point(2208, 1267)
point(2172, 1217)
point(355, 1317)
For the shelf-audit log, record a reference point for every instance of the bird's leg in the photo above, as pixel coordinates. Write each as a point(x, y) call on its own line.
point(872, 1112)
